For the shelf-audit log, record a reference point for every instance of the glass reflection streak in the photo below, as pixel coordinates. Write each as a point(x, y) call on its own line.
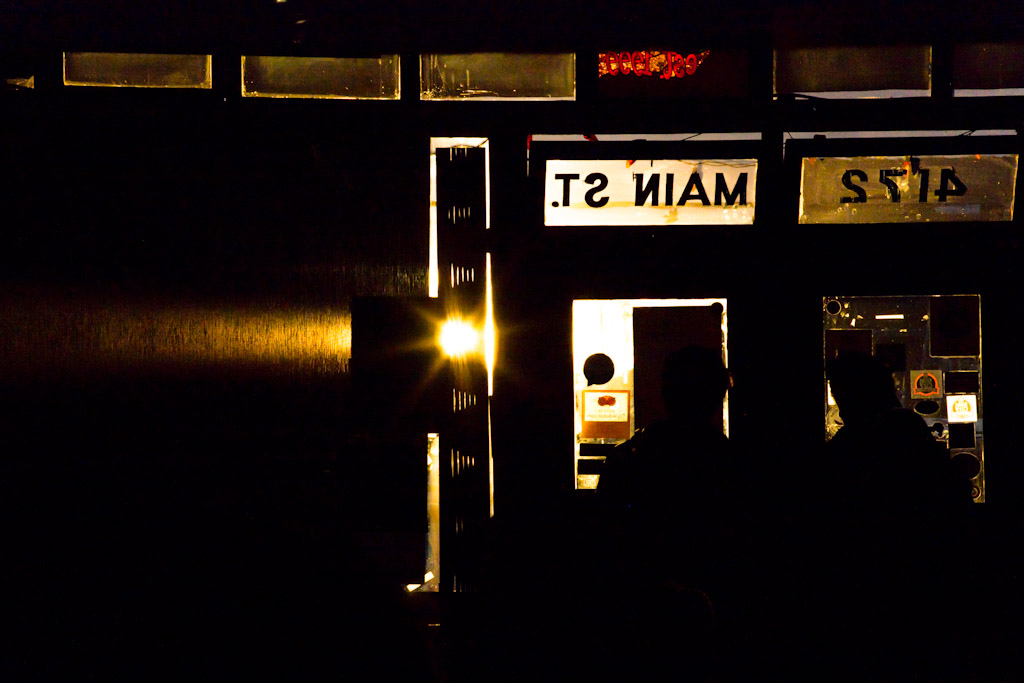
point(103, 335)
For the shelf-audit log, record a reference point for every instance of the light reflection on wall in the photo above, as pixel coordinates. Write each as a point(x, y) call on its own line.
point(57, 335)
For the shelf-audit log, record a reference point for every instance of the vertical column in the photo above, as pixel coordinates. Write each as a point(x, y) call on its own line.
point(462, 265)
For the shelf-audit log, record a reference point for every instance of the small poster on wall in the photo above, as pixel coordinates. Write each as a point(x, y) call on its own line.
point(605, 414)
point(962, 408)
point(925, 383)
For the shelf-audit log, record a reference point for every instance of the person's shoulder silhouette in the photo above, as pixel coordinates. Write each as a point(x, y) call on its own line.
point(677, 452)
point(694, 383)
point(884, 456)
point(896, 515)
point(874, 421)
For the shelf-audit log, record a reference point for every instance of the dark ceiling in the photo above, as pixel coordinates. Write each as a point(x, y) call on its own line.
point(346, 27)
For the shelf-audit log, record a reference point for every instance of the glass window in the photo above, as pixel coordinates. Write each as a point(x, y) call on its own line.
point(432, 569)
point(130, 70)
point(854, 72)
point(908, 189)
point(987, 69)
point(498, 76)
point(357, 78)
point(619, 348)
point(932, 347)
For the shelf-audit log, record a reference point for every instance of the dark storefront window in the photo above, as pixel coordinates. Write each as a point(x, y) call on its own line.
point(854, 72)
point(932, 347)
point(986, 69)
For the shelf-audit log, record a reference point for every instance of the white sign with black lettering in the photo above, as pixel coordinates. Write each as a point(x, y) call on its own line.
point(649, 192)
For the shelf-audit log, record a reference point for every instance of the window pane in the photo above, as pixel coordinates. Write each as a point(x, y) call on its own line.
point(931, 345)
point(988, 69)
point(498, 76)
point(618, 349)
point(119, 69)
point(370, 78)
point(854, 72)
point(908, 189)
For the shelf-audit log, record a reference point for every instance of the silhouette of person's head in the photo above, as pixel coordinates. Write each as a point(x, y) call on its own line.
point(861, 386)
point(693, 384)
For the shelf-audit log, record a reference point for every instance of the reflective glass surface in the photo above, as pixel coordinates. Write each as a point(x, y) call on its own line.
point(133, 70)
point(370, 78)
point(498, 76)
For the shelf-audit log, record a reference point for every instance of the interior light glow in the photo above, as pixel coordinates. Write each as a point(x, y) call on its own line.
point(433, 277)
point(432, 565)
point(606, 326)
point(890, 316)
point(458, 338)
point(411, 587)
point(433, 274)
point(490, 334)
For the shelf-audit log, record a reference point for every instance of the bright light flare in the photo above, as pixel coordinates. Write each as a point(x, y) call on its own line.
point(490, 334)
point(458, 338)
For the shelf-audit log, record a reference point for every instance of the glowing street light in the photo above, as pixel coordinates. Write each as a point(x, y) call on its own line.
point(458, 338)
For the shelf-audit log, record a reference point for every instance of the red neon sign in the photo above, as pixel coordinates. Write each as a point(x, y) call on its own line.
point(650, 63)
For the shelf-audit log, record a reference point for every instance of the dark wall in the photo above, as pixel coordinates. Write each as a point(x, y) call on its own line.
point(175, 335)
point(170, 238)
point(473, 26)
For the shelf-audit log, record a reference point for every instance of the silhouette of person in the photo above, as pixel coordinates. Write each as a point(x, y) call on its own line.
point(641, 479)
point(897, 509)
point(663, 495)
point(884, 455)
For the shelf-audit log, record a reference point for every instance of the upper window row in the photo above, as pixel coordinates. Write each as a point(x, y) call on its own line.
point(495, 76)
point(834, 72)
